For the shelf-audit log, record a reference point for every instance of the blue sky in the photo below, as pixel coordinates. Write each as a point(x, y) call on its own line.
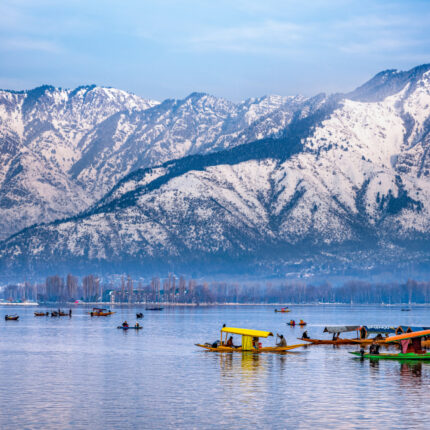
point(234, 49)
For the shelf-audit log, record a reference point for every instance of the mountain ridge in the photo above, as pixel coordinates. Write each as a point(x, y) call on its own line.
point(343, 187)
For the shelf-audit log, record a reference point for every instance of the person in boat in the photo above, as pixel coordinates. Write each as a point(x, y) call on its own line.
point(282, 342)
point(374, 348)
point(137, 325)
point(379, 336)
point(230, 342)
point(292, 322)
point(305, 335)
point(335, 336)
point(302, 322)
point(255, 342)
point(70, 313)
point(125, 324)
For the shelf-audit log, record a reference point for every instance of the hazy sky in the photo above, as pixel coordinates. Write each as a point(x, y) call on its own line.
point(234, 49)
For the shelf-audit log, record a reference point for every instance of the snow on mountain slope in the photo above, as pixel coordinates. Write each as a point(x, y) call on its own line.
point(344, 183)
point(61, 150)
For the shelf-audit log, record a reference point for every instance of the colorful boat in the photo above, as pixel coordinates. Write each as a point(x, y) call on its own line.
point(365, 331)
point(250, 342)
point(410, 344)
point(101, 312)
point(11, 317)
point(41, 314)
point(283, 310)
point(336, 340)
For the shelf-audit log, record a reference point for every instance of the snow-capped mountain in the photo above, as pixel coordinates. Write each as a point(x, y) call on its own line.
point(62, 150)
point(344, 182)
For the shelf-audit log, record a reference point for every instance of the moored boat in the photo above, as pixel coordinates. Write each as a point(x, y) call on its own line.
point(365, 331)
point(410, 344)
point(154, 308)
point(250, 342)
point(41, 314)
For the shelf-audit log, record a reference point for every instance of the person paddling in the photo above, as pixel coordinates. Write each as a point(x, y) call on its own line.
point(125, 324)
point(282, 342)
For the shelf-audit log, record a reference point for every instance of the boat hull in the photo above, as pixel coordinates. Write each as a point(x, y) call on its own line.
point(130, 328)
point(271, 349)
point(329, 342)
point(399, 356)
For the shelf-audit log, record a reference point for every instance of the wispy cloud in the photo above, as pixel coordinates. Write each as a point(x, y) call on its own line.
point(26, 44)
point(265, 36)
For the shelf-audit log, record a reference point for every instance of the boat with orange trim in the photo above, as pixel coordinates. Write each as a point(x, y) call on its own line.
point(410, 344)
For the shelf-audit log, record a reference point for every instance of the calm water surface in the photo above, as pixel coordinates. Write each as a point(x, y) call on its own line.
point(84, 373)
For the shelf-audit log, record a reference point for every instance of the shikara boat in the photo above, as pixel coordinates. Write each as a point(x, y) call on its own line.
point(283, 310)
point(292, 323)
point(11, 317)
point(132, 327)
point(250, 342)
point(365, 331)
point(336, 340)
point(99, 312)
point(41, 314)
point(410, 344)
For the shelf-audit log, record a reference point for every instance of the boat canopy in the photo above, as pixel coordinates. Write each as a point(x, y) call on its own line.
point(380, 330)
point(411, 335)
point(341, 328)
point(406, 328)
point(246, 332)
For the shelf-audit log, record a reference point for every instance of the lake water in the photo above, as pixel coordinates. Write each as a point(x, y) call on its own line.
point(84, 373)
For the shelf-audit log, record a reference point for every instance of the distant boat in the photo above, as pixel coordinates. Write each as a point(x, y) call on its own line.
point(283, 310)
point(133, 327)
point(101, 312)
point(154, 308)
point(11, 317)
point(41, 314)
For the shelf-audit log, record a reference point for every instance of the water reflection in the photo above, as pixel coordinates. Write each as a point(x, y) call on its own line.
point(84, 373)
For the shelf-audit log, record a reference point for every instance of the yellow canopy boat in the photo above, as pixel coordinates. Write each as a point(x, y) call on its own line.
point(250, 342)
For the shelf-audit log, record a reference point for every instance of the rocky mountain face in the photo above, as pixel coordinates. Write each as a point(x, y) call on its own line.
point(62, 150)
point(341, 185)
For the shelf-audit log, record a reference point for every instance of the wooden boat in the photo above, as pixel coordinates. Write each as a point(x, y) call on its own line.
point(365, 331)
point(335, 330)
point(283, 310)
point(399, 356)
point(99, 312)
point(154, 308)
point(328, 342)
point(41, 314)
point(293, 323)
point(410, 344)
point(11, 317)
point(132, 327)
point(250, 342)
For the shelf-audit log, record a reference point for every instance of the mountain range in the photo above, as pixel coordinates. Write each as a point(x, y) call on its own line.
point(99, 179)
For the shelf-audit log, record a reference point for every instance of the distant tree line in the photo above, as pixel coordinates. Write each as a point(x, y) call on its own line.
point(189, 291)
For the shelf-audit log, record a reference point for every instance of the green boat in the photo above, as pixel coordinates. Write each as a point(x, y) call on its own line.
point(408, 356)
point(410, 345)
